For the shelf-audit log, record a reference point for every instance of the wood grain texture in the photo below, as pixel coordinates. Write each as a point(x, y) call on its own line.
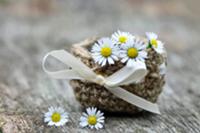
point(25, 36)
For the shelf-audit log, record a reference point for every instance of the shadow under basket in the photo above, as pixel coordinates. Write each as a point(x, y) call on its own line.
point(91, 94)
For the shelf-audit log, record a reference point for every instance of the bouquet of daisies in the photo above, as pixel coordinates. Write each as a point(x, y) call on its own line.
point(107, 55)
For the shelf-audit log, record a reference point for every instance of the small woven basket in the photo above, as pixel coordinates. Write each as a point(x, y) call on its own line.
point(91, 94)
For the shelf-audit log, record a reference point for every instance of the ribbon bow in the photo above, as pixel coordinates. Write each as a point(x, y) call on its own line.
point(126, 75)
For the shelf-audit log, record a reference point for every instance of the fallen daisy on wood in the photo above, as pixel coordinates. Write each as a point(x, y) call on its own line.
point(56, 116)
point(92, 118)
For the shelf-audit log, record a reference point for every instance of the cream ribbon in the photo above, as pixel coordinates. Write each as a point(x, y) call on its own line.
point(126, 75)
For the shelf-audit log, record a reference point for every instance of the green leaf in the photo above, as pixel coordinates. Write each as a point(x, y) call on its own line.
point(149, 45)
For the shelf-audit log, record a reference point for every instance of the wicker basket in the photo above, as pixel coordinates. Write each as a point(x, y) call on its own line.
point(91, 94)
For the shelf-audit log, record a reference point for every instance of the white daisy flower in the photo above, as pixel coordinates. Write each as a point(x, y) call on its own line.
point(163, 69)
point(104, 51)
point(157, 45)
point(56, 116)
point(133, 52)
point(122, 37)
point(93, 118)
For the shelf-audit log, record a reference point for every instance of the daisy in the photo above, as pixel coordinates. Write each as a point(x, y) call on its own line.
point(121, 37)
point(56, 116)
point(133, 52)
point(93, 118)
point(157, 45)
point(104, 51)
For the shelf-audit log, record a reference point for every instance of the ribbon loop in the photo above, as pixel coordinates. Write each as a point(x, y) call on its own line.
point(77, 70)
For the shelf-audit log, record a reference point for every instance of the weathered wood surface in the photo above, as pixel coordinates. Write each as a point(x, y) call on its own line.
point(28, 31)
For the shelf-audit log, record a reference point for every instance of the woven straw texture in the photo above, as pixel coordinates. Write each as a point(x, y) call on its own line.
point(91, 94)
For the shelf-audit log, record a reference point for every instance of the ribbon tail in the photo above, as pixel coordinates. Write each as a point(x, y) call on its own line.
point(134, 100)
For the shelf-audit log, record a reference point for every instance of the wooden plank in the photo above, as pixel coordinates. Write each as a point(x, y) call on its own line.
point(26, 92)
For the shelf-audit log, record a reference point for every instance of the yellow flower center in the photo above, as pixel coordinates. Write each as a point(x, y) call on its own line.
point(122, 39)
point(92, 120)
point(154, 43)
point(132, 52)
point(56, 117)
point(106, 51)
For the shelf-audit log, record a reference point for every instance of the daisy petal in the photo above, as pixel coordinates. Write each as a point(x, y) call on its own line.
point(83, 124)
